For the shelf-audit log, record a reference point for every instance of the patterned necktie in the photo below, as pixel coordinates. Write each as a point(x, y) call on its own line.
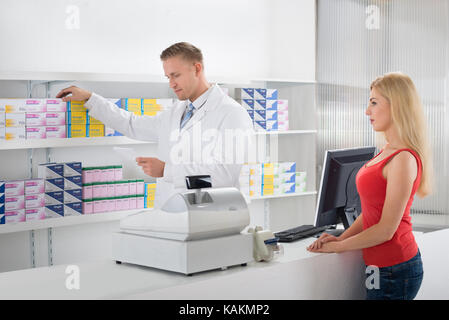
point(188, 115)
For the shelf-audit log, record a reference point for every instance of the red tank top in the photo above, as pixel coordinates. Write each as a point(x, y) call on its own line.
point(372, 186)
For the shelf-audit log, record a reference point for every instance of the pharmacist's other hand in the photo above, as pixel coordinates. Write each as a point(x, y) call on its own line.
point(151, 166)
point(74, 94)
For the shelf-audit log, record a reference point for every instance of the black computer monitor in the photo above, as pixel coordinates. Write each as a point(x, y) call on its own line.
point(338, 199)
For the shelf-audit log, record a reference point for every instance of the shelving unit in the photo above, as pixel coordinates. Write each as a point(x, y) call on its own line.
point(66, 149)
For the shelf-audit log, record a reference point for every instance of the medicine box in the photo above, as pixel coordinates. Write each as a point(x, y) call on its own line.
point(55, 105)
point(55, 118)
point(282, 115)
point(260, 125)
point(35, 119)
point(35, 201)
point(14, 188)
point(55, 132)
point(272, 94)
point(73, 168)
point(259, 115)
point(77, 131)
point(282, 105)
point(272, 125)
point(283, 125)
point(54, 198)
point(272, 105)
point(93, 121)
point(36, 132)
point(76, 106)
point(244, 93)
point(15, 120)
point(73, 209)
point(271, 115)
point(14, 203)
point(35, 105)
point(71, 196)
point(77, 118)
point(15, 216)
point(287, 167)
point(35, 214)
point(260, 93)
point(247, 103)
point(50, 170)
point(34, 186)
point(12, 105)
point(95, 130)
point(54, 211)
point(54, 185)
point(133, 105)
point(260, 104)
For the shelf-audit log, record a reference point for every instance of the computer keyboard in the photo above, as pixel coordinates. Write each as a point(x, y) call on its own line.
point(300, 232)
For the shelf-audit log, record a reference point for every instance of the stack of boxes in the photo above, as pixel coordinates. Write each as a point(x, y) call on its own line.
point(104, 190)
point(34, 199)
point(146, 107)
point(150, 193)
point(2, 202)
point(63, 188)
point(32, 119)
point(80, 124)
point(264, 179)
point(14, 201)
point(265, 109)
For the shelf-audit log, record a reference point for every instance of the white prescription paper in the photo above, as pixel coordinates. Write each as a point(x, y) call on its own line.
point(127, 154)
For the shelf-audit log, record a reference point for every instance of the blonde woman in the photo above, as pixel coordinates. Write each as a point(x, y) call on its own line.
point(387, 185)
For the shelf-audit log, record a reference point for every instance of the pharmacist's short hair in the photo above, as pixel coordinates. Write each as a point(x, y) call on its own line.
point(184, 49)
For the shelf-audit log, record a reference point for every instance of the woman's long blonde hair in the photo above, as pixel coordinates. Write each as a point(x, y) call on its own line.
point(409, 119)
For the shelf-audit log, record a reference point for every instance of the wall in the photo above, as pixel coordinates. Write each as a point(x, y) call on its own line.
point(361, 40)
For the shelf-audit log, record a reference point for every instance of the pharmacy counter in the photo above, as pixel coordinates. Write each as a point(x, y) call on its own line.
point(299, 274)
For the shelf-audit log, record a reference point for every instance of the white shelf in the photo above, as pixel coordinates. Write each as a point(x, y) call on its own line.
point(68, 142)
point(288, 132)
point(66, 221)
point(287, 195)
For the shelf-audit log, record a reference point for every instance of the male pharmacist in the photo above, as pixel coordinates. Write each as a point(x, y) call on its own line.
point(190, 135)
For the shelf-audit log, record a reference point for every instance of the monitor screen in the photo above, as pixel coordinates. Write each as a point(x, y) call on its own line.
point(338, 199)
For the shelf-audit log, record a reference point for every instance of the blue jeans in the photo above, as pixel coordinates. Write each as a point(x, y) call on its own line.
point(399, 282)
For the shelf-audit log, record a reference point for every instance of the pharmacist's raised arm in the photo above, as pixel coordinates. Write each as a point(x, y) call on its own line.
point(136, 127)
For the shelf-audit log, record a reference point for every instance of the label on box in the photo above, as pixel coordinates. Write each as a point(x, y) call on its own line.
point(76, 117)
point(35, 105)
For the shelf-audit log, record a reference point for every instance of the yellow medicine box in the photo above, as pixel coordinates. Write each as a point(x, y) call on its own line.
point(77, 131)
point(95, 130)
point(77, 117)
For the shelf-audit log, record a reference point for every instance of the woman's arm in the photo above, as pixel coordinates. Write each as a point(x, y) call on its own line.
point(401, 173)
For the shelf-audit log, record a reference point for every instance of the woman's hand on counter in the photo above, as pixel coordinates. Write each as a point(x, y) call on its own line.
point(325, 243)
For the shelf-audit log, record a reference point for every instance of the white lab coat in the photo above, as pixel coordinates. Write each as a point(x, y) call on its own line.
point(206, 130)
